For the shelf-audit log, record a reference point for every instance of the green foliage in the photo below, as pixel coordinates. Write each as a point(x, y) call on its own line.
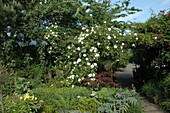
point(28, 104)
point(165, 104)
point(121, 102)
point(47, 109)
point(4, 74)
point(87, 104)
point(151, 90)
point(166, 86)
point(61, 98)
point(159, 91)
point(104, 93)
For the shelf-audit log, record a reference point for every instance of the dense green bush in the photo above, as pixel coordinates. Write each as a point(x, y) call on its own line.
point(87, 105)
point(61, 98)
point(22, 104)
point(151, 90)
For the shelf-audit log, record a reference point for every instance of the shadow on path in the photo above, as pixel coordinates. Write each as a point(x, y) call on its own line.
point(125, 76)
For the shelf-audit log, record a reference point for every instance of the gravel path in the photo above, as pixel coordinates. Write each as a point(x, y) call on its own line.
point(125, 79)
point(150, 107)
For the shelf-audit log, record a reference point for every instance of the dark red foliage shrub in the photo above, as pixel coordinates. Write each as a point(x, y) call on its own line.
point(102, 79)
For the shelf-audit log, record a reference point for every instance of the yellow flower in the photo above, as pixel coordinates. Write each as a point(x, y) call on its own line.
point(32, 97)
point(26, 96)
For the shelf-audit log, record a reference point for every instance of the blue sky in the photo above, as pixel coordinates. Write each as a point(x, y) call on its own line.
point(146, 5)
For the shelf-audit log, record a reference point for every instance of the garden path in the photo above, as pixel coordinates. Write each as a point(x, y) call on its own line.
point(125, 79)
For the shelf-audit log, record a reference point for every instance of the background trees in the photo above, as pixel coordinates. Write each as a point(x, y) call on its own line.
point(152, 52)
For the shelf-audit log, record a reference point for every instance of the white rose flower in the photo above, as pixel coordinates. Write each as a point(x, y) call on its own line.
point(92, 66)
point(82, 42)
point(117, 41)
point(83, 28)
point(74, 62)
point(78, 48)
point(98, 43)
point(95, 50)
point(114, 36)
point(95, 64)
point(78, 60)
point(87, 30)
point(93, 93)
point(90, 75)
point(72, 86)
point(92, 29)
point(93, 79)
point(109, 29)
point(46, 37)
point(115, 46)
point(69, 47)
point(86, 35)
point(86, 59)
point(104, 22)
point(109, 37)
point(133, 45)
point(155, 37)
point(97, 55)
point(123, 44)
point(137, 38)
point(88, 63)
point(79, 80)
point(135, 34)
point(91, 50)
point(78, 96)
point(84, 55)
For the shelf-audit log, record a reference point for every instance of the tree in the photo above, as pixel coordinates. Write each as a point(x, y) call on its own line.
point(152, 50)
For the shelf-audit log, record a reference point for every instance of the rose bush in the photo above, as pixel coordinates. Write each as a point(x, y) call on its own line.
point(80, 56)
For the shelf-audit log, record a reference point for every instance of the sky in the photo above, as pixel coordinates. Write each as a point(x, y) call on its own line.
point(146, 6)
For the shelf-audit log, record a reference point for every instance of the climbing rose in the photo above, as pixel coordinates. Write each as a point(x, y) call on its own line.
point(156, 40)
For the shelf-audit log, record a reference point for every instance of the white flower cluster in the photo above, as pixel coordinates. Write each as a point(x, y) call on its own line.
point(93, 49)
point(94, 94)
point(109, 37)
point(91, 75)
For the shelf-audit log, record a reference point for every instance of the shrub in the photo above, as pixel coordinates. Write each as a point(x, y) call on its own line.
point(87, 104)
point(23, 104)
point(165, 104)
point(61, 98)
point(103, 79)
point(151, 90)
